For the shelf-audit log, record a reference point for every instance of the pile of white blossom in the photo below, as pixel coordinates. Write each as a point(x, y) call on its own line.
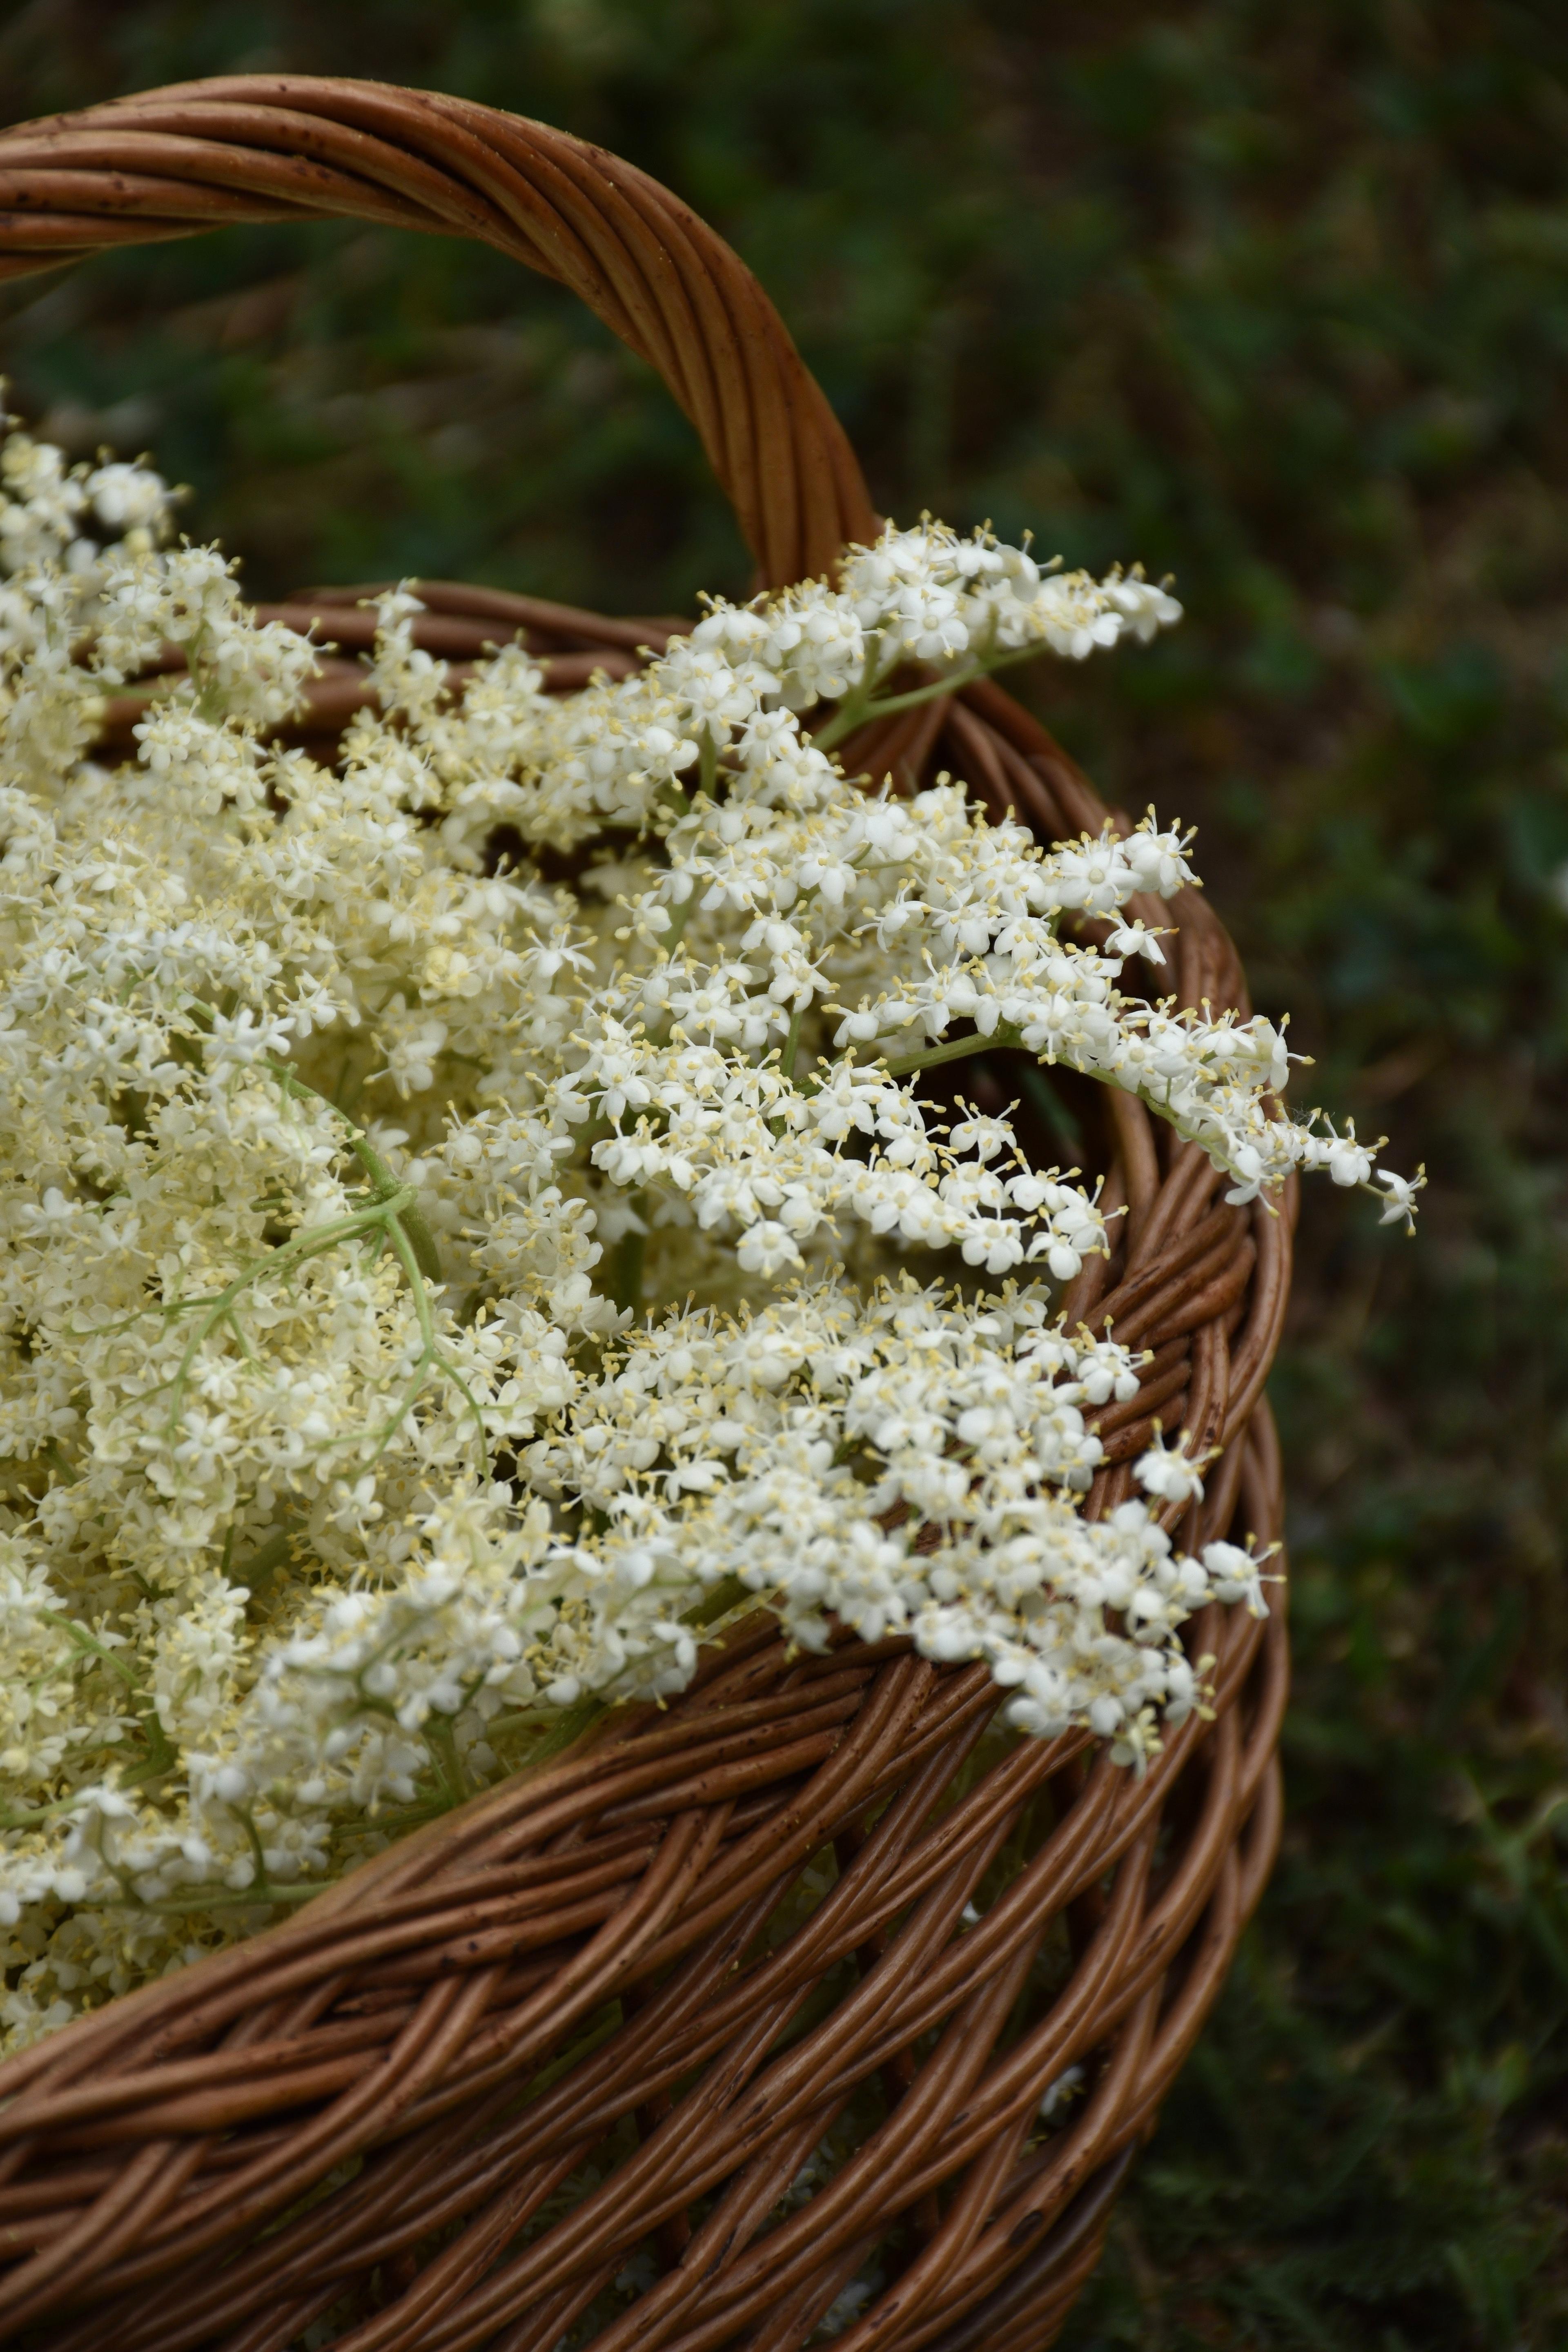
point(436, 1281)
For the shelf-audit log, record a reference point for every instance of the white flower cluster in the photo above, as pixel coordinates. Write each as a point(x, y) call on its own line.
point(455, 1206)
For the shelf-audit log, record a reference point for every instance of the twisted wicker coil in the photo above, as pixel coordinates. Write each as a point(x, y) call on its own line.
point(673, 1960)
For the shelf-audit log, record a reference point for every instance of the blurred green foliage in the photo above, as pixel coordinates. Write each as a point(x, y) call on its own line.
point(1276, 298)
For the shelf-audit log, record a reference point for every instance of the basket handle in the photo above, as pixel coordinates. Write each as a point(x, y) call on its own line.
point(268, 147)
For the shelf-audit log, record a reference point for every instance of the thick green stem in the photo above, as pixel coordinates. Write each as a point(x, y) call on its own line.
point(852, 714)
point(957, 1049)
point(194, 1900)
point(852, 709)
point(383, 1183)
point(422, 1241)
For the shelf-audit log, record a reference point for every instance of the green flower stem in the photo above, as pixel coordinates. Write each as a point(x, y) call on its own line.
point(28, 1817)
point(393, 1214)
point(853, 713)
point(308, 1245)
point(904, 1065)
point(162, 1756)
point(204, 1899)
point(957, 1049)
point(89, 1645)
point(383, 1183)
point(853, 707)
point(433, 1351)
point(1036, 1088)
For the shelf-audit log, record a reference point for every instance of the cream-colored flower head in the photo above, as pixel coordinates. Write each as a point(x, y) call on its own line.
point(432, 1290)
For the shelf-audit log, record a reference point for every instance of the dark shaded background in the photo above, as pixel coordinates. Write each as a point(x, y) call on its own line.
point(1274, 295)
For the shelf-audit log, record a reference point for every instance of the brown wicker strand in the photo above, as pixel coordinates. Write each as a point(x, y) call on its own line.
point(271, 147)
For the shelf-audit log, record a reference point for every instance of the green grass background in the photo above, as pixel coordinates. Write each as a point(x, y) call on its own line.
point(1273, 295)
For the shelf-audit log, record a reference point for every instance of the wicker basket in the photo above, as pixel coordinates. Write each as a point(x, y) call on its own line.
point(614, 1968)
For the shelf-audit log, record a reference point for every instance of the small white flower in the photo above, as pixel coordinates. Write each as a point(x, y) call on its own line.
point(1399, 1195)
point(1169, 1472)
point(1058, 2094)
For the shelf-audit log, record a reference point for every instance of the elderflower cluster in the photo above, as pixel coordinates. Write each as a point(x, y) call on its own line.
point(470, 1219)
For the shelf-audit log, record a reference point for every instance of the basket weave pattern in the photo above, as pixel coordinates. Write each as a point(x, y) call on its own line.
point(373, 2106)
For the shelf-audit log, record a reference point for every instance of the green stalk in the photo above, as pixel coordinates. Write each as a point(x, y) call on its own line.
point(957, 1049)
point(434, 1353)
point(852, 714)
point(383, 1183)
